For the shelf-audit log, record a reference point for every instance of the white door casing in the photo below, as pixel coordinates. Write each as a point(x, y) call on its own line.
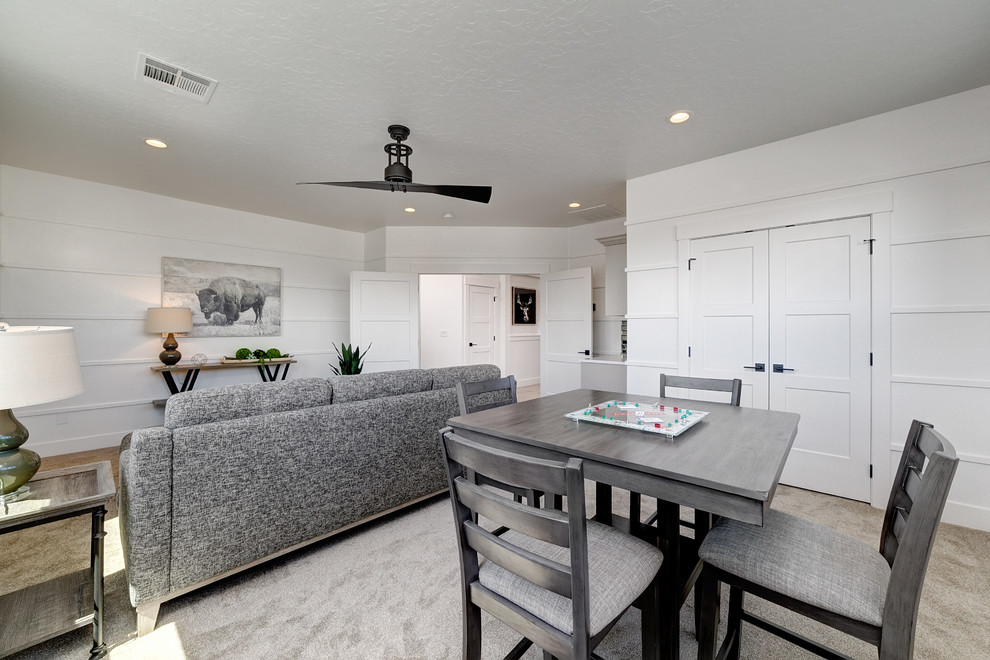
point(565, 328)
point(385, 319)
point(798, 297)
point(820, 329)
point(480, 324)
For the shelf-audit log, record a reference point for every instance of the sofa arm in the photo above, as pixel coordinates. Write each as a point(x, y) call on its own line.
point(144, 503)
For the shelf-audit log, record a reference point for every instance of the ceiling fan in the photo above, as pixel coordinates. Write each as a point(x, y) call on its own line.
point(398, 176)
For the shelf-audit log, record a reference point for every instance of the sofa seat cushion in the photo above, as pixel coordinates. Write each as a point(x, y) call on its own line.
point(219, 404)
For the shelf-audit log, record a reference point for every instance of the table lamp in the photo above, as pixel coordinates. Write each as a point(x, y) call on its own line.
point(168, 321)
point(38, 364)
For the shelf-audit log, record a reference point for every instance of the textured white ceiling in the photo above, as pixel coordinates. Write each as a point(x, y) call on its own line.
point(548, 101)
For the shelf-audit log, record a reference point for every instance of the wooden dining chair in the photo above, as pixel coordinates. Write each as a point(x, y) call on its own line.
point(484, 395)
point(732, 386)
point(559, 580)
point(682, 517)
point(830, 577)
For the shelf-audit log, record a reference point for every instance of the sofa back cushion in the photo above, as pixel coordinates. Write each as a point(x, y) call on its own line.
point(361, 387)
point(220, 404)
point(444, 377)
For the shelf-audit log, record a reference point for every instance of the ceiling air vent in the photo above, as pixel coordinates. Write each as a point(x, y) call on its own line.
point(175, 79)
point(597, 213)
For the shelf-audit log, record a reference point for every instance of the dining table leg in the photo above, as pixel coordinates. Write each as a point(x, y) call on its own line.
point(669, 608)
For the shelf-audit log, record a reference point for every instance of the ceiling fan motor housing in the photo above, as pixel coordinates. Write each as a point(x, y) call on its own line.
point(398, 172)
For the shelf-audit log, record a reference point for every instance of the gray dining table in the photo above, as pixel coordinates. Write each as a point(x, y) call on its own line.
point(729, 464)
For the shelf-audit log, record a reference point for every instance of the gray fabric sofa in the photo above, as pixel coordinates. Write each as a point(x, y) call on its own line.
point(242, 474)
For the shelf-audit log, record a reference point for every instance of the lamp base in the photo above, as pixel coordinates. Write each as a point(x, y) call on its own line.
point(170, 356)
point(17, 466)
point(18, 494)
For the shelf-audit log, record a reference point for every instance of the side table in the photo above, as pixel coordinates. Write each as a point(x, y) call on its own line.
point(269, 371)
point(42, 611)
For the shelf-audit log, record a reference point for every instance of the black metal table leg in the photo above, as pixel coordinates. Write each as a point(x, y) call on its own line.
point(96, 562)
point(170, 381)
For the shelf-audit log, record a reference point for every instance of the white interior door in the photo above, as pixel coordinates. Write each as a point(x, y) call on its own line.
point(480, 322)
point(820, 352)
point(796, 300)
point(385, 319)
point(565, 328)
point(730, 291)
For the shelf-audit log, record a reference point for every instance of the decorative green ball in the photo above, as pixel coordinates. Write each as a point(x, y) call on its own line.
point(258, 353)
point(274, 353)
point(242, 353)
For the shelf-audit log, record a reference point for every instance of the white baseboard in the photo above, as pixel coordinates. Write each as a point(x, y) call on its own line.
point(526, 382)
point(967, 515)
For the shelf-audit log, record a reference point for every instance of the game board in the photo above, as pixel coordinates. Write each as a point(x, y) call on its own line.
point(647, 417)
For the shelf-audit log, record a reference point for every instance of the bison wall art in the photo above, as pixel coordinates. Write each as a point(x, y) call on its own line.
point(227, 300)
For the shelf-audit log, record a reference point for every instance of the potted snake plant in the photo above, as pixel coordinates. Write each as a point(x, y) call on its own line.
point(350, 361)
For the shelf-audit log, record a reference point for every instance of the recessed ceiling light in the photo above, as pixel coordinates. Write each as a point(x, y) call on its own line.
point(410, 209)
point(574, 205)
point(157, 144)
point(679, 117)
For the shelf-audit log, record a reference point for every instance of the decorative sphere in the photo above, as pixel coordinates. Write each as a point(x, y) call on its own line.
point(199, 359)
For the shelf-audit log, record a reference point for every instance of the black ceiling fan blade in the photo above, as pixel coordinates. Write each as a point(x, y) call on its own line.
point(480, 194)
point(371, 185)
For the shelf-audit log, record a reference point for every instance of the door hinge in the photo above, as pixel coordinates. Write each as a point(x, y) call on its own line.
point(870, 241)
point(871, 470)
point(871, 358)
point(690, 260)
point(689, 351)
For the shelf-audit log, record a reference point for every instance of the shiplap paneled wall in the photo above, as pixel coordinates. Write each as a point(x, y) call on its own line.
point(89, 256)
point(926, 183)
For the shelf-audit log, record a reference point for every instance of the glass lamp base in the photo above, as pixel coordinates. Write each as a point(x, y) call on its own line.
point(18, 494)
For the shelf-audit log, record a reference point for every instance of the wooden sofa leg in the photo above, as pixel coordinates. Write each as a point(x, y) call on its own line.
point(147, 615)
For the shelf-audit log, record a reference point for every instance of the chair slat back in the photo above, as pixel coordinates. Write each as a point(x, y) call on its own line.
point(567, 530)
point(732, 386)
point(485, 394)
point(917, 499)
point(926, 459)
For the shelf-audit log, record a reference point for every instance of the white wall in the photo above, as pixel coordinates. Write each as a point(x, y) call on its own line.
point(923, 174)
point(89, 256)
point(522, 346)
point(441, 320)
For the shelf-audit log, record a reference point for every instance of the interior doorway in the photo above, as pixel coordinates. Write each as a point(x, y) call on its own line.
point(468, 319)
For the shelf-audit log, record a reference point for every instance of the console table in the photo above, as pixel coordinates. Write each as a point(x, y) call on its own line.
point(39, 612)
point(269, 371)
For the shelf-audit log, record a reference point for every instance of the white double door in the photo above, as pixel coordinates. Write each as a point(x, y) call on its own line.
point(788, 312)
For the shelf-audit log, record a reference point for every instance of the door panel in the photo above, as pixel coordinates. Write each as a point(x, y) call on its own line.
point(565, 328)
point(730, 308)
point(481, 324)
point(820, 329)
point(385, 313)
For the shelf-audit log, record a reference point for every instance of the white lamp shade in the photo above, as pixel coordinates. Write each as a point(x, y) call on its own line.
point(38, 364)
point(162, 320)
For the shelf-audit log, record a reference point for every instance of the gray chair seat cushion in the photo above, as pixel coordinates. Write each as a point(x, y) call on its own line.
point(620, 567)
point(803, 560)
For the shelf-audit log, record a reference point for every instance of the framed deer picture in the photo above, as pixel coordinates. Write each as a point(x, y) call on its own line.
point(523, 306)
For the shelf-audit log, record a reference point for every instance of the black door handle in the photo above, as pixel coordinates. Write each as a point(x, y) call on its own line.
point(779, 368)
point(470, 343)
point(584, 352)
point(759, 366)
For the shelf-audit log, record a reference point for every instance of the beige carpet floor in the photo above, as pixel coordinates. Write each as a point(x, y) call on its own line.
point(389, 590)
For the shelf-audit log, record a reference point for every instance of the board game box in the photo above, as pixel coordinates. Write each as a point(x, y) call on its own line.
point(647, 417)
